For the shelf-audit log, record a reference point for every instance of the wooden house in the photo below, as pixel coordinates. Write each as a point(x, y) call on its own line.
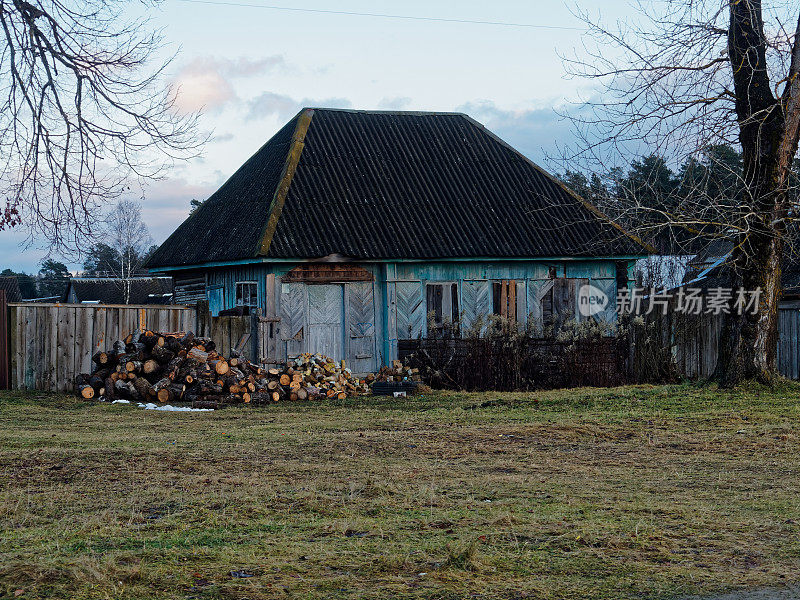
point(351, 228)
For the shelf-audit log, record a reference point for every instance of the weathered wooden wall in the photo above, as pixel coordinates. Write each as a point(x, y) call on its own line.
point(51, 343)
point(693, 340)
point(789, 342)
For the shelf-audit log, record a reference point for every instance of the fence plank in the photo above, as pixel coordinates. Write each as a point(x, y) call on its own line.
point(84, 348)
point(29, 349)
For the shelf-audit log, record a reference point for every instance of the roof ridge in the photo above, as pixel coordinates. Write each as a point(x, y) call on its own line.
point(282, 190)
point(369, 111)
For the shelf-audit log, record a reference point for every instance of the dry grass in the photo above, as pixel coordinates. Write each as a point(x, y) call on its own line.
point(638, 492)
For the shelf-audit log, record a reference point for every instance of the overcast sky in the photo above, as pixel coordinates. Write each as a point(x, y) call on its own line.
point(251, 69)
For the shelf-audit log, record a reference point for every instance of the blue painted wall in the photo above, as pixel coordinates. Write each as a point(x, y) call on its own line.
point(387, 274)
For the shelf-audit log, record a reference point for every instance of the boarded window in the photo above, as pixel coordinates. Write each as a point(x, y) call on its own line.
point(559, 303)
point(504, 298)
point(442, 303)
point(247, 293)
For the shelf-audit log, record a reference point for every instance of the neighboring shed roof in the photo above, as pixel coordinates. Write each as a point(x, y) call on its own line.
point(390, 185)
point(150, 290)
point(709, 269)
point(11, 287)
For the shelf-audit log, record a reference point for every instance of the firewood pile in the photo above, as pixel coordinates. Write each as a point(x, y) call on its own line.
point(178, 367)
point(398, 372)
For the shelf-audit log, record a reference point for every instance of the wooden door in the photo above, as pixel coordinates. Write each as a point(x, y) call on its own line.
point(216, 299)
point(325, 320)
point(361, 350)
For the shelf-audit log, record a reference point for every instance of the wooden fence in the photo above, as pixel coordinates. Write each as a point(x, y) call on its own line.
point(51, 343)
point(48, 344)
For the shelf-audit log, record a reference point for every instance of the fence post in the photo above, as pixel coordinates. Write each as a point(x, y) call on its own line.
point(255, 335)
point(203, 315)
point(5, 348)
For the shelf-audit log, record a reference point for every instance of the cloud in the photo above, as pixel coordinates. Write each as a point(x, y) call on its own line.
point(284, 107)
point(397, 103)
point(205, 82)
point(165, 203)
point(222, 137)
point(537, 133)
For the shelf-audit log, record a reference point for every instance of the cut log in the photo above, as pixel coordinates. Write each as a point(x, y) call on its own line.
point(205, 404)
point(220, 366)
point(97, 382)
point(108, 386)
point(162, 389)
point(150, 366)
point(302, 394)
point(176, 391)
point(124, 389)
point(100, 359)
point(84, 391)
point(198, 355)
point(162, 355)
point(143, 388)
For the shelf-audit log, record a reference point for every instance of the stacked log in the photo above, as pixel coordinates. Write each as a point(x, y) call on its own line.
point(177, 367)
point(172, 367)
point(318, 375)
point(398, 372)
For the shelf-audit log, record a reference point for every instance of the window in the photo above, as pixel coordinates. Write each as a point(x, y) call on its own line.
point(442, 302)
point(504, 298)
point(247, 293)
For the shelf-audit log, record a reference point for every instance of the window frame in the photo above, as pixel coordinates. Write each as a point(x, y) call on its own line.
point(236, 294)
point(447, 300)
point(510, 285)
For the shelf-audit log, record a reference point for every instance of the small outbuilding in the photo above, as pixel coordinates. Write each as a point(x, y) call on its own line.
point(357, 229)
point(115, 290)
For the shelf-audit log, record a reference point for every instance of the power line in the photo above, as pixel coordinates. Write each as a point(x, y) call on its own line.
point(384, 15)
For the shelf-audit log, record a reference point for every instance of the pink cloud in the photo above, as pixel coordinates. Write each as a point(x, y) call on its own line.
point(204, 84)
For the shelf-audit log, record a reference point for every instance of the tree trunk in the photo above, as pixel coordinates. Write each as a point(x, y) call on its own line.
point(768, 134)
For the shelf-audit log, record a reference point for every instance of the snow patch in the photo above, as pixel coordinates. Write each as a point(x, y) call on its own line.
point(121, 402)
point(169, 407)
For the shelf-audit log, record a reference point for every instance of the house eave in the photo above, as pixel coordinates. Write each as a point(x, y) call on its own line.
point(251, 261)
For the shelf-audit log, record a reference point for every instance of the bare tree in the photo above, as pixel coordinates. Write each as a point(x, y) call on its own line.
point(82, 111)
point(679, 78)
point(130, 239)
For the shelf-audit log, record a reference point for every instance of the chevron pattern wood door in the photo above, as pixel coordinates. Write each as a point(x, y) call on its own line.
point(609, 288)
point(475, 301)
point(537, 288)
point(361, 351)
point(410, 310)
point(293, 312)
point(325, 312)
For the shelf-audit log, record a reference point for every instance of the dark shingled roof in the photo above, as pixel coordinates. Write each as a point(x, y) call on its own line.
point(390, 185)
point(11, 287)
point(145, 290)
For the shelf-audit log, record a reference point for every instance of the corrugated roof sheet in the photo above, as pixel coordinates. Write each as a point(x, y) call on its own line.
point(388, 185)
point(146, 290)
point(11, 287)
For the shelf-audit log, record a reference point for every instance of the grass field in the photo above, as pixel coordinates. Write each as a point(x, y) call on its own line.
point(638, 492)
